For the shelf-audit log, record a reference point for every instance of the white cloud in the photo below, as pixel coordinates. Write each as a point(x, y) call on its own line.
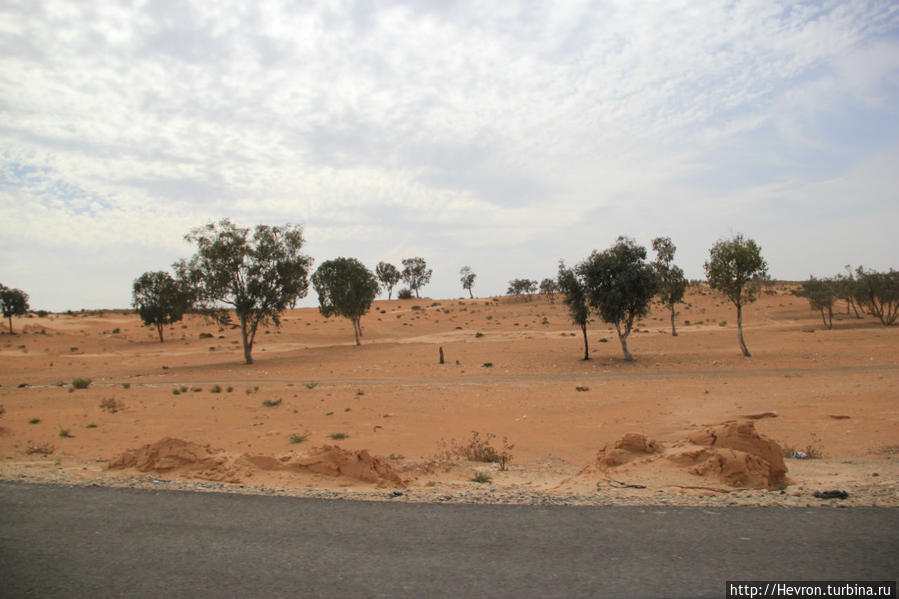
point(511, 133)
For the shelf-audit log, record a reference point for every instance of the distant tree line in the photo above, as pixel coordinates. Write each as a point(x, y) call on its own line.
point(876, 293)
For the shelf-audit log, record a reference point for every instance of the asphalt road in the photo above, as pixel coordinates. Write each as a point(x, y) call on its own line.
point(104, 542)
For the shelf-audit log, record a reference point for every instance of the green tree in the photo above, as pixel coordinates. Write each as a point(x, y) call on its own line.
point(521, 287)
point(548, 287)
point(160, 299)
point(847, 288)
point(821, 295)
point(880, 293)
point(736, 269)
point(13, 302)
point(416, 273)
point(620, 286)
point(671, 279)
point(574, 290)
point(389, 275)
point(467, 278)
point(345, 288)
point(258, 274)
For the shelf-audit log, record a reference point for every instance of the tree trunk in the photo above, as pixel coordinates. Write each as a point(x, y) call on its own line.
point(824, 319)
point(622, 337)
point(470, 294)
point(586, 346)
point(247, 341)
point(829, 317)
point(740, 332)
point(159, 327)
point(356, 330)
point(673, 328)
point(10, 324)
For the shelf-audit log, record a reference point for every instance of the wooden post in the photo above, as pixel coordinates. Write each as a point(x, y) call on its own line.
point(441, 355)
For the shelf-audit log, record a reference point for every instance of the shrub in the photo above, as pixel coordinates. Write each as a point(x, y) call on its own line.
point(126, 385)
point(111, 405)
point(404, 294)
point(34, 421)
point(480, 450)
point(481, 477)
point(271, 403)
point(80, 383)
point(65, 434)
point(338, 436)
point(297, 438)
point(215, 389)
point(311, 384)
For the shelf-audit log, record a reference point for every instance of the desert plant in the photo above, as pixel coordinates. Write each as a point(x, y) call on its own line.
point(571, 283)
point(345, 288)
point(338, 436)
point(388, 275)
point(81, 383)
point(65, 434)
point(259, 276)
point(736, 269)
point(311, 385)
point(111, 405)
point(298, 438)
point(13, 302)
point(160, 299)
point(478, 449)
point(126, 385)
point(271, 403)
point(880, 293)
point(482, 478)
point(671, 280)
point(467, 277)
point(404, 294)
point(619, 285)
point(215, 389)
point(416, 274)
point(518, 287)
point(821, 295)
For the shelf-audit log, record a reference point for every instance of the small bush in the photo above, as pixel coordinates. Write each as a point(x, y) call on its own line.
point(581, 389)
point(116, 331)
point(480, 477)
point(311, 385)
point(197, 389)
point(34, 421)
point(176, 391)
point(297, 438)
point(338, 436)
point(480, 450)
point(91, 425)
point(229, 389)
point(215, 389)
point(126, 385)
point(404, 294)
point(65, 434)
point(271, 403)
point(81, 383)
point(111, 405)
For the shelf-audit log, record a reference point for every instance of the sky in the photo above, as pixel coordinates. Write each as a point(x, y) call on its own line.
point(502, 135)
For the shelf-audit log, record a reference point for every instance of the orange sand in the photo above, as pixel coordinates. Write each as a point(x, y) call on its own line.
point(832, 390)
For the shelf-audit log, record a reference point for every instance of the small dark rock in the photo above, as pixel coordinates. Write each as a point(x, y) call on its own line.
point(834, 494)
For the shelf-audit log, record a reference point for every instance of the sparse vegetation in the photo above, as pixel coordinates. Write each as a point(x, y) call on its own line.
point(111, 405)
point(34, 421)
point(65, 434)
point(479, 449)
point(481, 478)
point(338, 436)
point(215, 389)
point(311, 385)
point(272, 403)
point(81, 383)
point(296, 438)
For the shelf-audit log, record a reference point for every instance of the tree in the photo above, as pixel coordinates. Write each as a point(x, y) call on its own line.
point(821, 295)
point(620, 285)
point(467, 278)
point(736, 269)
point(880, 293)
point(522, 286)
point(416, 273)
point(258, 274)
point(389, 275)
point(160, 299)
point(345, 288)
point(13, 302)
point(847, 288)
point(574, 289)
point(671, 279)
point(548, 287)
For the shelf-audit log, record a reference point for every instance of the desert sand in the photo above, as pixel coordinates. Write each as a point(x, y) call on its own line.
point(689, 422)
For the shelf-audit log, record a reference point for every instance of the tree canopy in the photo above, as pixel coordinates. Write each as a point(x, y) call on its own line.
point(13, 302)
point(671, 279)
point(522, 286)
point(346, 288)
point(620, 285)
point(416, 273)
point(467, 277)
point(736, 269)
point(258, 273)
point(549, 287)
point(160, 299)
point(879, 292)
point(389, 275)
point(821, 295)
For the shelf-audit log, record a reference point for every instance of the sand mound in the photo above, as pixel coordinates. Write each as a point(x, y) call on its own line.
point(176, 456)
point(628, 447)
point(739, 454)
point(361, 465)
point(731, 452)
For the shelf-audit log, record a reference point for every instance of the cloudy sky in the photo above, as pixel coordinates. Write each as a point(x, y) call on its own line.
point(501, 135)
